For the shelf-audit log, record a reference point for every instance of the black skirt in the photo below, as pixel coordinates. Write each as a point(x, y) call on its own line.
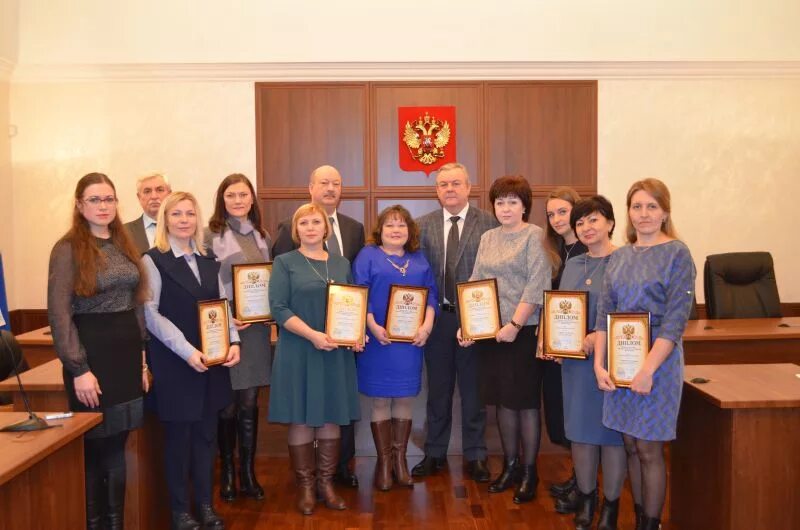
point(510, 374)
point(113, 344)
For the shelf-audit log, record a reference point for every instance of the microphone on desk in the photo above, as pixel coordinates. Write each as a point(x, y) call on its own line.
point(34, 422)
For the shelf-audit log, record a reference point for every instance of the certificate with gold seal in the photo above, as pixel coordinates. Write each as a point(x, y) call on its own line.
point(214, 331)
point(478, 309)
point(346, 313)
point(251, 291)
point(628, 345)
point(405, 312)
point(564, 324)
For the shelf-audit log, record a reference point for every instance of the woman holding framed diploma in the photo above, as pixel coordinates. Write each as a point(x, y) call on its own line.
point(510, 373)
point(95, 289)
point(189, 394)
point(592, 220)
point(236, 237)
point(653, 274)
point(390, 369)
point(314, 386)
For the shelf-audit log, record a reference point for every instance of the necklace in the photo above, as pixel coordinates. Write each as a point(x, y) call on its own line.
point(641, 250)
point(569, 250)
point(589, 278)
point(402, 269)
point(326, 280)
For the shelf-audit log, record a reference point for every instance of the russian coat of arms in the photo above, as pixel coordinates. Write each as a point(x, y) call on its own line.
point(426, 138)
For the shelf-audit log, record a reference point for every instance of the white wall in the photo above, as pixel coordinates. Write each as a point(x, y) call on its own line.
point(187, 31)
point(8, 30)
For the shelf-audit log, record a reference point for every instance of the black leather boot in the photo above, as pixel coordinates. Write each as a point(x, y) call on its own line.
point(567, 503)
point(209, 518)
point(584, 515)
point(115, 488)
point(609, 514)
point(527, 487)
point(508, 476)
point(560, 489)
point(184, 521)
point(248, 430)
point(226, 439)
point(639, 514)
point(95, 500)
point(650, 523)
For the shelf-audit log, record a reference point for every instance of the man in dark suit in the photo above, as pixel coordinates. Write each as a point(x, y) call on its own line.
point(325, 188)
point(449, 237)
point(151, 189)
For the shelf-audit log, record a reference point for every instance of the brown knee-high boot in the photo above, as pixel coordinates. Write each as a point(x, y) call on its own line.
point(382, 435)
point(327, 460)
point(401, 429)
point(304, 470)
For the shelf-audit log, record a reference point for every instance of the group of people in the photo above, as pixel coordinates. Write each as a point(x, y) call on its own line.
point(122, 302)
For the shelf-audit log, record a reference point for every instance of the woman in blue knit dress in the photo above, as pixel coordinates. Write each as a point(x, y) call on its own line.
point(654, 273)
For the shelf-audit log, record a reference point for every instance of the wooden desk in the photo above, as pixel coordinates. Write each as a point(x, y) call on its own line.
point(37, 346)
point(41, 474)
point(735, 464)
point(146, 498)
point(742, 341)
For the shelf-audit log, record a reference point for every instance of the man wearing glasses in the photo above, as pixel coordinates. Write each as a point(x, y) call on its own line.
point(151, 189)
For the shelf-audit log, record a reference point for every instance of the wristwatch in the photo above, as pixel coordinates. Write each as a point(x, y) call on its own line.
point(518, 326)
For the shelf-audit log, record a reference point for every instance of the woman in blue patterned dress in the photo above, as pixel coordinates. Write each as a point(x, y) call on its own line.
point(592, 220)
point(654, 273)
point(390, 372)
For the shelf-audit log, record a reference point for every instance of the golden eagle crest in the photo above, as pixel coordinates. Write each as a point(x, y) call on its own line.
point(628, 330)
point(565, 306)
point(426, 138)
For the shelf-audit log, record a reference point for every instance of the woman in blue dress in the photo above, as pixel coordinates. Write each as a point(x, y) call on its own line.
point(313, 379)
point(592, 220)
point(390, 372)
point(654, 273)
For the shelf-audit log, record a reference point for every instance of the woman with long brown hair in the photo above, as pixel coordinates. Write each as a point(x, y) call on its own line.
point(96, 286)
point(235, 236)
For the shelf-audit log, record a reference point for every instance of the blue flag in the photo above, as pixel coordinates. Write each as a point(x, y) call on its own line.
point(4, 319)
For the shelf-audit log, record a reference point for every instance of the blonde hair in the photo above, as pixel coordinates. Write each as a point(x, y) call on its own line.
point(144, 178)
point(308, 209)
point(450, 166)
point(162, 235)
point(659, 191)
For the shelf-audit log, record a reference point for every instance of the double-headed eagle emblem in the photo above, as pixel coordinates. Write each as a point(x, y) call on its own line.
point(628, 330)
point(426, 138)
point(565, 306)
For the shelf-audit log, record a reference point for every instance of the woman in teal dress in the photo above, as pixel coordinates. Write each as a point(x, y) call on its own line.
point(653, 274)
point(314, 386)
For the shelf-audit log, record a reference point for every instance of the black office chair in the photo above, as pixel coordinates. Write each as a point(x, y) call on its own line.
point(741, 285)
point(10, 355)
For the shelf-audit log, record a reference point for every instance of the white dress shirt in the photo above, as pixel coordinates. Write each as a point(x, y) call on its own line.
point(149, 229)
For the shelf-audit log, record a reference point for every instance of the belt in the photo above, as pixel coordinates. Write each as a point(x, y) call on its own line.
point(450, 308)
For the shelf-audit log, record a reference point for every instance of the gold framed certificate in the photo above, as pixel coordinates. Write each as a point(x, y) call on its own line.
point(628, 345)
point(214, 331)
point(346, 313)
point(564, 324)
point(405, 312)
point(251, 291)
point(478, 309)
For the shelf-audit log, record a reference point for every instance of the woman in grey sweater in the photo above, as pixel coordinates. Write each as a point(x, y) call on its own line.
point(510, 373)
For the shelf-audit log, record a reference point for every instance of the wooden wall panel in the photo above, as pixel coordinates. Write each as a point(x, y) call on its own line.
point(276, 210)
point(386, 98)
point(545, 131)
point(300, 127)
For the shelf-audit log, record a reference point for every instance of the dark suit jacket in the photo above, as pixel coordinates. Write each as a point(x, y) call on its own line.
point(352, 237)
point(136, 230)
point(432, 243)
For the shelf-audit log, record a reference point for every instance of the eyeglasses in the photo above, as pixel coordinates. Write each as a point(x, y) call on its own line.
point(96, 201)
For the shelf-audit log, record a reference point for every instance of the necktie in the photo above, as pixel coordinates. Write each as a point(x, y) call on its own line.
point(333, 243)
point(451, 251)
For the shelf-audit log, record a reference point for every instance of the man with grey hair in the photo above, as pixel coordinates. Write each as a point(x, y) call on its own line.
point(449, 237)
point(151, 189)
point(347, 239)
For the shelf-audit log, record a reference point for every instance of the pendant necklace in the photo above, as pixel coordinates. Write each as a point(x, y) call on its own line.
point(589, 278)
point(402, 269)
point(569, 250)
point(326, 280)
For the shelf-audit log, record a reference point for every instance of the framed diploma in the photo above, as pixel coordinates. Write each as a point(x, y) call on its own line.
point(214, 330)
point(346, 313)
point(564, 323)
point(628, 345)
point(478, 309)
point(251, 291)
point(405, 312)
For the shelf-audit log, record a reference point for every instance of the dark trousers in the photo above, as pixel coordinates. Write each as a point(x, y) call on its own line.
point(447, 362)
point(189, 451)
point(553, 403)
point(348, 450)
